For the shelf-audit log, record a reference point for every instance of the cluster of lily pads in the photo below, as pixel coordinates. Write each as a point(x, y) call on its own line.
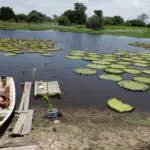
point(114, 65)
point(12, 47)
point(140, 44)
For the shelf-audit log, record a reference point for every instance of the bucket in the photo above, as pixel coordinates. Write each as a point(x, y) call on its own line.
point(52, 114)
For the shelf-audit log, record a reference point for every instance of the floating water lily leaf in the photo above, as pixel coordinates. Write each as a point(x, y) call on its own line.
point(132, 70)
point(123, 63)
point(96, 66)
point(89, 58)
point(92, 53)
point(140, 64)
point(101, 62)
point(142, 79)
point(119, 106)
point(47, 55)
point(109, 59)
point(140, 61)
point(137, 58)
point(85, 71)
point(111, 77)
point(9, 54)
point(126, 59)
point(73, 57)
point(76, 54)
point(77, 51)
point(146, 71)
point(95, 56)
point(133, 85)
point(113, 71)
point(117, 66)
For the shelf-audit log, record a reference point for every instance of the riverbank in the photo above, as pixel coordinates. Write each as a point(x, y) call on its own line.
point(139, 32)
point(88, 129)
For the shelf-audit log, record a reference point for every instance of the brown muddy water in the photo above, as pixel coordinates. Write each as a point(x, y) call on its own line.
point(77, 91)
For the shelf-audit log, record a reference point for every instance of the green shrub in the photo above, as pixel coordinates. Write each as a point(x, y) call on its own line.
point(63, 20)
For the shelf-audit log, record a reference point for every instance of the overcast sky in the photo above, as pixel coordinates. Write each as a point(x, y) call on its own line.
point(128, 9)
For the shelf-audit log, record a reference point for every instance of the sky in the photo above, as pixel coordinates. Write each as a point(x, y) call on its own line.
point(128, 9)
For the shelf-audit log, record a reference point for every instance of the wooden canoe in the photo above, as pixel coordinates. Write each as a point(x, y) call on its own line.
point(5, 113)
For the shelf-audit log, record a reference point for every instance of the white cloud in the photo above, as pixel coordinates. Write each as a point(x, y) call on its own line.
point(82, 1)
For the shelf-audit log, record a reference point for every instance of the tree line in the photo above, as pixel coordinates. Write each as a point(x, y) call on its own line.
point(76, 16)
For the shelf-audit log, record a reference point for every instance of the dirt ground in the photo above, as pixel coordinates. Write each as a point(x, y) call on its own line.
point(87, 129)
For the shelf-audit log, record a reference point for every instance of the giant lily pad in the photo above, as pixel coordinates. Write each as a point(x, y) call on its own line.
point(73, 57)
point(146, 71)
point(113, 71)
point(126, 59)
point(142, 79)
point(9, 54)
point(96, 66)
point(85, 71)
point(76, 54)
point(95, 56)
point(140, 64)
point(119, 106)
point(132, 71)
point(77, 51)
point(111, 77)
point(117, 66)
point(47, 55)
point(101, 62)
point(133, 85)
point(89, 58)
point(140, 61)
point(124, 63)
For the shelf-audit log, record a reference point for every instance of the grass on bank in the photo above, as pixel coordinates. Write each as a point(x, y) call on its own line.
point(139, 32)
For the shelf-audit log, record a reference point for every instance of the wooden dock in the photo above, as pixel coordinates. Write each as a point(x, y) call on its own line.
point(51, 88)
point(30, 147)
point(24, 122)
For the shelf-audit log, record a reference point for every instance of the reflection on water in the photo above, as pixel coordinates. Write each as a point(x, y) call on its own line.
point(81, 91)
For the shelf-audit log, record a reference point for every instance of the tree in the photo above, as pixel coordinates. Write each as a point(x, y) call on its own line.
point(6, 13)
point(35, 16)
point(117, 20)
point(80, 9)
point(96, 21)
point(21, 18)
point(135, 23)
point(63, 20)
point(143, 17)
point(71, 14)
point(108, 20)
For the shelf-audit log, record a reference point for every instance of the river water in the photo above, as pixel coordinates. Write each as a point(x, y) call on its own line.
point(77, 91)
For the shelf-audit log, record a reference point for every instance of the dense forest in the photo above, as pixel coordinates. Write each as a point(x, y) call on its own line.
point(76, 16)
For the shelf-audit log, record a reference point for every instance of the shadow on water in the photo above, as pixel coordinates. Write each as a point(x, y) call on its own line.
point(77, 91)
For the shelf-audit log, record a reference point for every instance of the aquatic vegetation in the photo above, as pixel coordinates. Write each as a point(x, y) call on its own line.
point(111, 77)
point(89, 58)
point(91, 53)
point(117, 66)
point(109, 59)
point(140, 61)
point(95, 56)
point(76, 54)
point(119, 106)
point(20, 46)
point(126, 58)
point(142, 79)
point(146, 71)
point(113, 71)
point(47, 55)
point(140, 64)
point(132, 71)
point(140, 44)
point(73, 57)
point(101, 62)
point(96, 66)
point(78, 51)
point(9, 54)
point(133, 85)
point(85, 71)
point(123, 63)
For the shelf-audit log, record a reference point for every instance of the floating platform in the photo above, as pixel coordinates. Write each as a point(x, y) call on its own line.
point(50, 88)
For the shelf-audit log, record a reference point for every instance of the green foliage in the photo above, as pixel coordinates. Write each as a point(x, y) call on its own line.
point(117, 20)
point(47, 103)
point(108, 20)
point(135, 23)
point(71, 15)
point(148, 25)
point(21, 18)
point(6, 13)
point(35, 16)
point(143, 17)
point(96, 21)
point(63, 20)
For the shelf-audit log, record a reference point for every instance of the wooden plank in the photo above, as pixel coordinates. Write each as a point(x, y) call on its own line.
point(26, 91)
point(18, 126)
point(30, 147)
point(26, 101)
point(53, 88)
point(28, 123)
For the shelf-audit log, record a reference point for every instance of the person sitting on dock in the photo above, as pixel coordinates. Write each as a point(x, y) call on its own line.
point(4, 93)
